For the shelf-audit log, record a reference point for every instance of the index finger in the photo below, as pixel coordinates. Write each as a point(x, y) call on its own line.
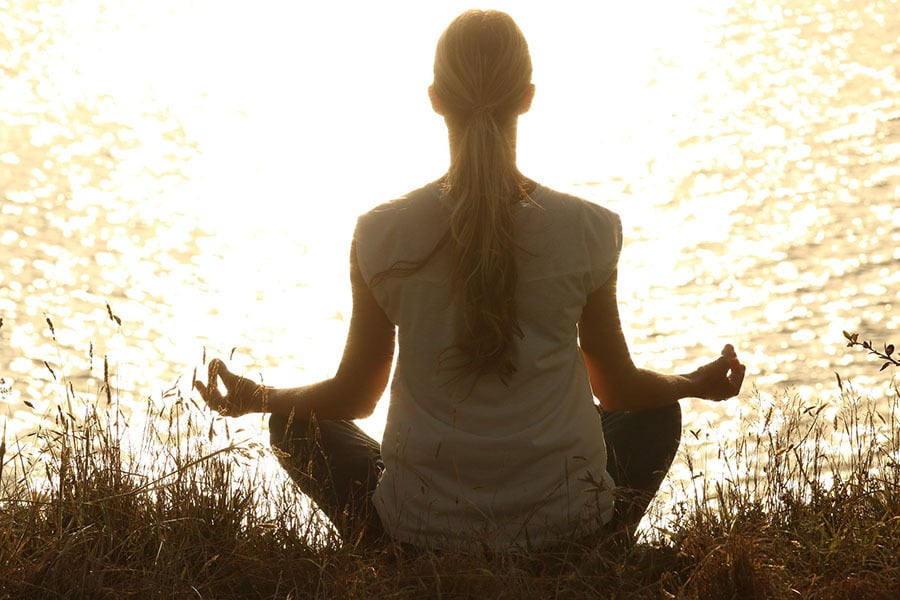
point(737, 377)
point(212, 380)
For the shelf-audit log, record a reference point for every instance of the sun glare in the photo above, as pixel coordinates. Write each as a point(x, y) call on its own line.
point(200, 164)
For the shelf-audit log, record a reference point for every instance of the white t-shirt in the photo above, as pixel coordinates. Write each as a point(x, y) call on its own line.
point(501, 465)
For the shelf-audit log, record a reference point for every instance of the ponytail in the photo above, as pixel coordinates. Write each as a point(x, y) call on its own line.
point(482, 76)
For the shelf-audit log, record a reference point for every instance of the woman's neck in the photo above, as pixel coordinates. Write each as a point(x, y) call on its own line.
point(454, 134)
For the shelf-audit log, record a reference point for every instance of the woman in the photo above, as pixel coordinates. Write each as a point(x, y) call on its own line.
point(502, 292)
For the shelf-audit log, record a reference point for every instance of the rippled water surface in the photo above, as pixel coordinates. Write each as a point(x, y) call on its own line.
point(181, 176)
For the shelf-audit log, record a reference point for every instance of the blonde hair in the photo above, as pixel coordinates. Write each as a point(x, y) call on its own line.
point(482, 77)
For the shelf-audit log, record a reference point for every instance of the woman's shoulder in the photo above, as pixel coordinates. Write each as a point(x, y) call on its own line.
point(568, 235)
point(422, 199)
point(406, 223)
point(575, 210)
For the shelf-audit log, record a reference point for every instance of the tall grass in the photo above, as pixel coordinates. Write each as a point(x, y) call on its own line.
point(807, 505)
point(177, 503)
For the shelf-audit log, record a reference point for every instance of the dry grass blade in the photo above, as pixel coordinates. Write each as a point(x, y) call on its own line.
point(805, 504)
point(2, 450)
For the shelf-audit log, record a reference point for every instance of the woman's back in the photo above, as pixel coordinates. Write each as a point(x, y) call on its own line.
point(484, 455)
point(502, 295)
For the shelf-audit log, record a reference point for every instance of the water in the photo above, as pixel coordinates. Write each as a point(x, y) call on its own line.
point(193, 169)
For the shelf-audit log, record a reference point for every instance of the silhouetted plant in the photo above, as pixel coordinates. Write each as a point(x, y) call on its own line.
point(886, 355)
point(176, 506)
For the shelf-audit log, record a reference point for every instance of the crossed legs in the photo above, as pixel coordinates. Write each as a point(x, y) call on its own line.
point(640, 447)
point(337, 465)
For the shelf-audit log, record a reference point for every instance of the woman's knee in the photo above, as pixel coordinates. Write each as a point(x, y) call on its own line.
point(658, 423)
point(663, 429)
point(277, 428)
point(676, 424)
point(673, 411)
point(670, 421)
point(285, 432)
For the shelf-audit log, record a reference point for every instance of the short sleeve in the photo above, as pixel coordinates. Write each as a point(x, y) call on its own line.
point(377, 239)
point(363, 253)
point(603, 238)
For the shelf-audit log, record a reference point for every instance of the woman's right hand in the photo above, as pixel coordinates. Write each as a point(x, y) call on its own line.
point(720, 379)
point(242, 395)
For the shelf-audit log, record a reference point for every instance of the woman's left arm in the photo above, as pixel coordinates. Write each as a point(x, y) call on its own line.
point(351, 394)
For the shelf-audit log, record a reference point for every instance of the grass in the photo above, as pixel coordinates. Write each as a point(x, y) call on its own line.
point(177, 504)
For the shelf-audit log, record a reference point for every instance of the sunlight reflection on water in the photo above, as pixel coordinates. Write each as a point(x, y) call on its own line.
point(199, 167)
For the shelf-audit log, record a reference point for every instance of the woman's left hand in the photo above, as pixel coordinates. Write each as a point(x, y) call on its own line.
point(720, 379)
point(242, 396)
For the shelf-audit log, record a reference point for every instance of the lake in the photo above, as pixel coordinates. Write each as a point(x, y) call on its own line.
point(180, 179)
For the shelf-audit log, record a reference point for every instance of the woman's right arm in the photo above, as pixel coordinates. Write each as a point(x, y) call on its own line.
point(352, 393)
point(619, 385)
